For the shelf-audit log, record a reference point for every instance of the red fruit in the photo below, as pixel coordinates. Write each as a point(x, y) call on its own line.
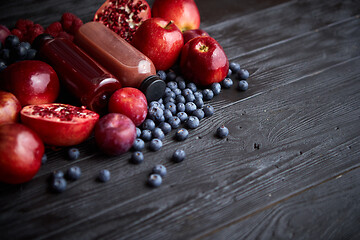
point(21, 151)
point(130, 102)
point(24, 24)
point(9, 107)
point(18, 33)
point(33, 32)
point(54, 29)
point(160, 40)
point(115, 133)
point(123, 16)
point(4, 32)
point(67, 21)
point(59, 124)
point(193, 33)
point(31, 81)
point(77, 23)
point(66, 35)
point(204, 61)
point(184, 13)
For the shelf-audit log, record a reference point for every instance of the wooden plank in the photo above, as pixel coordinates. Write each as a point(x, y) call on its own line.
point(204, 193)
point(329, 210)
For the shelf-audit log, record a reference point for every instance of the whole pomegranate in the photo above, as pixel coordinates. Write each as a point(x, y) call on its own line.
point(123, 16)
point(21, 151)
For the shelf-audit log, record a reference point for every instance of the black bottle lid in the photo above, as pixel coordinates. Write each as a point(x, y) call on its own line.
point(153, 87)
point(40, 40)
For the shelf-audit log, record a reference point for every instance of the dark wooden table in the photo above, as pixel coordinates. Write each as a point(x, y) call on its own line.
point(288, 170)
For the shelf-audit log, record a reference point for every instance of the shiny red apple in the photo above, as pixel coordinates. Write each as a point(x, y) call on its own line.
point(204, 61)
point(160, 40)
point(193, 33)
point(184, 13)
point(21, 150)
point(9, 107)
point(31, 81)
point(130, 102)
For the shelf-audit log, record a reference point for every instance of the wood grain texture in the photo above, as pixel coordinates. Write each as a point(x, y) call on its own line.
point(291, 134)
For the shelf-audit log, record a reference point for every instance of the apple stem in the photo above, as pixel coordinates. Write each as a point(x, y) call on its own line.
point(171, 22)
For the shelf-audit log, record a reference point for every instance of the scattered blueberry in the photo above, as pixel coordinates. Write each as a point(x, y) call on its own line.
point(190, 97)
point(26, 45)
point(181, 134)
point(208, 110)
point(169, 93)
point(235, 67)
point(199, 113)
point(159, 169)
point(190, 107)
point(146, 135)
point(161, 74)
point(172, 85)
point(174, 122)
point(155, 145)
point(44, 159)
point(19, 52)
point(170, 76)
point(138, 144)
point(186, 92)
point(227, 83)
point(5, 55)
point(165, 127)
point(73, 173)
point(11, 41)
point(171, 106)
point(138, 132)
point(243, 74)
point(155, 180)
point(177, 92)
point(104, 175)
point(154, 104)
point(73, 153)
point(31, 54)
point(155, 113)
point(216, 88)
point(58, 185)
point(181, 84)
point(229, 73)
point(243, 85)
point(57, 174)
point(2, 65)
point(169, 99)
point(182, 115)
point(198, 94)
point(192, 86)
point(208, 94)
point(199, 102)
point(192, 122)
point(158, 133)
point(148, 124)
point(167, 114)
point(137, 157)
point(222, 132)
point(180, 99)
point(179, 155)
point(180, 107)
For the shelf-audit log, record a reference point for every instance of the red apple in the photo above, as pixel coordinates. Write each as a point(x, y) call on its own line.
point(21, 151)
point(115, 133)
point(204, 61)
point(193, 33)
point(31, 81)
point(160, 40)
point(130, 102)
point(9, 107)
point(184, 13)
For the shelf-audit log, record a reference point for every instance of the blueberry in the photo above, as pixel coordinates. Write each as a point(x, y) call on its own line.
point(222, 132)
point(172, 85)
point(73, 173)
point(192, 122)
point(229, 73)
point(26, 45)
point(243, 85)
point(155, 113)
point(181, 84)
point(155, 180)
point(174, 122)
point(181, 134)
point(227, 83)
point(191, 86)
point(148, 124)
point(235, 67)
point(158, 133)
point(177, 92)
point(73, 153)
point(187, 91)
point(44, 159)
point(190, 107)
point(5, 55)
point(57, 174)
point(169, 94)
point(171, 106)
point(138, 144)
point(19, 52)
point(169, 99)
point(208, 94)
point(182, 115)
point(243, 74)
point(104, 175)
point(167, 114)
point(179, 79)
point(155, 144)
point(180, 107)
point(170, 76)
point(11, 41)
point(161, 74)
point(216, 88)
point(180, 99)
point(146, 135)
point(199, 113)
point(165, 127)
point(31, 54)
point(154, 104)
point(138, 132)
point(208, 110)
point(159, 169)
point(58, 185)
point(179, 155)
point(137, 157)
point(2, 65)
point(198, 94)
point(199, 102)
point(190, 97)
point(160, 101)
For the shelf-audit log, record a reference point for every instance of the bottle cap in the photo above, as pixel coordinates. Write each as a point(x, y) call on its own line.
point(153, 87)
point(39, 40)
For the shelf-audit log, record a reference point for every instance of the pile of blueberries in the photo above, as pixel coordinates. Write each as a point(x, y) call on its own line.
point(13, 51)
point(181, 108)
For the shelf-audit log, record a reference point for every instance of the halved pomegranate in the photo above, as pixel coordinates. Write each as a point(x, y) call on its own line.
point(59, 124)
point(123, 16)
